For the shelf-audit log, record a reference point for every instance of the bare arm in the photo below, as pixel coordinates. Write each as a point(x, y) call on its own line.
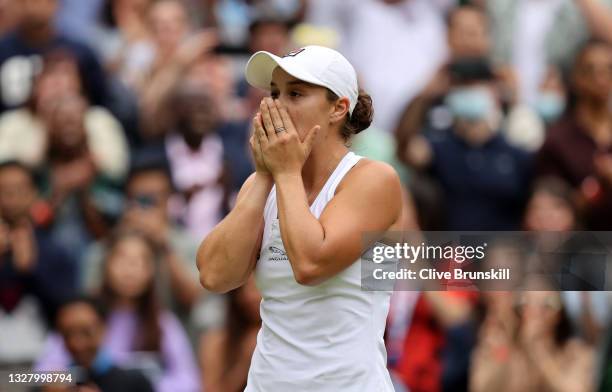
point(184, 287)
point(369, 200)
point(228, 254)
point(412, 148)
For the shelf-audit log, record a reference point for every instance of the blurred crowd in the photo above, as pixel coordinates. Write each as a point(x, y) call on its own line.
point(124, 129)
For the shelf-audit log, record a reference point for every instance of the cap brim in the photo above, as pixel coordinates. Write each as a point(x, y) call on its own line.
point(261, 65)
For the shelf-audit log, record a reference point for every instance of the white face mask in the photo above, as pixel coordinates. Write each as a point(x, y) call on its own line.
point(475, 104)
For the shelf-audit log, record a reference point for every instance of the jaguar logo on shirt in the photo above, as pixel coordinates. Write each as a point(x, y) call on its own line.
point(277, 254)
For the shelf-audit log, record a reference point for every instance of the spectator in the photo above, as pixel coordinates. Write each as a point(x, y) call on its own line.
point(269, 34)
point(176, 50)
point(530, 35)
point(8, 17)
point(578, 149)
point(148, 192)
point(468, 42)
point(199, 152)
point(24, 134)
point(83, 201)
point(526, 127)
point(429, 338)
point(227, 352)
point(552, 210)
point(34, 36)
point(124, 39)
point(528, 345)
point(140, 334)
point(35, 273)
point(484, 178)
point(80, 322)
point(233, 18)
point(551, 207)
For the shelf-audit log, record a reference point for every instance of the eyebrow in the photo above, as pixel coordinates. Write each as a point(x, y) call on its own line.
point(293, 83)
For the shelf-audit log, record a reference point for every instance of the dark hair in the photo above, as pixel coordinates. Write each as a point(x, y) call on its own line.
point(50, 60)
point(572, 97)
point(556, 187)
point(94, 303)
point(146, 161)
point(148, 308)
point(15, 164)
point(268, 20)
point(362, 114)
point(563, 330)
point(450, 16)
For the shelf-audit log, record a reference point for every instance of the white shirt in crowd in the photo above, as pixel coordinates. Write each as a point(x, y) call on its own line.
point(395, 48)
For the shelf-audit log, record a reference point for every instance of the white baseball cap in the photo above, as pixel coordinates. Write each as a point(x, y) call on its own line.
point(313, 64)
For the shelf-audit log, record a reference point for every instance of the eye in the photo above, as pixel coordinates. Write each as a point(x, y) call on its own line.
point(274, 94)
point(294, 94)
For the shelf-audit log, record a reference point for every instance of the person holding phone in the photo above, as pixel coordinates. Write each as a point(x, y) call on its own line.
point(298, 223)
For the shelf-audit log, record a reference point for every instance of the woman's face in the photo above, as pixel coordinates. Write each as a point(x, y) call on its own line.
point(67, 123)
point(307, 104)
point(169, 23)
point(61, 78)
point(543, 306)
point(546, 212)
point(592, 75)
point(130, 268)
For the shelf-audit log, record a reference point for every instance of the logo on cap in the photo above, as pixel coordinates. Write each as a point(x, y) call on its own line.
point(294, 53)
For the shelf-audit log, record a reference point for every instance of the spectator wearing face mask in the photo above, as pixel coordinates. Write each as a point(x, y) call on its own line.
point(81, 323)
point(526, 126)
point(469, 40)
point(484, 179)
point(578, 148)
point(36, 274)
point(469, 43)
point(140, 333)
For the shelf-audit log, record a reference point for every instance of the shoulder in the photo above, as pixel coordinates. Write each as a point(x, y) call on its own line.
point(372, 185)
point(371, 174)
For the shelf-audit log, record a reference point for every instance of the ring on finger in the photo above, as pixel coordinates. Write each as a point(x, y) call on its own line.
point(280, 129)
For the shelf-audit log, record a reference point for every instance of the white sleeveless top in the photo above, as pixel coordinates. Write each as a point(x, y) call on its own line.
point(323, 338)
